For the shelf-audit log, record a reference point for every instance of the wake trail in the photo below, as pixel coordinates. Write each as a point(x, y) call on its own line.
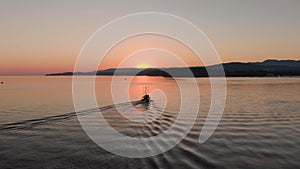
point(36, 121)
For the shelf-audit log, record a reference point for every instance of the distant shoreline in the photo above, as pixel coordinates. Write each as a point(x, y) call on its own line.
point(268, 68)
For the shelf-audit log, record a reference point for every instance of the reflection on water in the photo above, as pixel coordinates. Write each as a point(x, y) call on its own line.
point(260, 127)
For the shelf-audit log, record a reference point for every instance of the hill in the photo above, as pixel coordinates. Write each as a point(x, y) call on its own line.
point(232, 69)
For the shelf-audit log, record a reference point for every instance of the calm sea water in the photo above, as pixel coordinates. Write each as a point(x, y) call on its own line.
point(260, 127)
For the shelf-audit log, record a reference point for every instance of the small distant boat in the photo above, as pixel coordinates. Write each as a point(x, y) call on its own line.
point(146, 97)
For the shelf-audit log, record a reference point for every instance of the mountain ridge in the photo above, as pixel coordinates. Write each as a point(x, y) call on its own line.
point(270, 67)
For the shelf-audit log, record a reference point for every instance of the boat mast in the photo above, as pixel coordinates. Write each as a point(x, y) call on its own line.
point(145, 90)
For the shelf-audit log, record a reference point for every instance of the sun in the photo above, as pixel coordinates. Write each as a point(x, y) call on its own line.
point(143, 66)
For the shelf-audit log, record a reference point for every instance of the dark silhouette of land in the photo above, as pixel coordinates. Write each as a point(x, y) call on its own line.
point(232, 69)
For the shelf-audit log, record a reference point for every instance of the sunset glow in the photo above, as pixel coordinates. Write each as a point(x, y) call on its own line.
point(143, 66)
point(150, 84)
point(36, 39)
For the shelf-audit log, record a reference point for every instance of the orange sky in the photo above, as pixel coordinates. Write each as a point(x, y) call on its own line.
point(45, 37)
point(154, 50)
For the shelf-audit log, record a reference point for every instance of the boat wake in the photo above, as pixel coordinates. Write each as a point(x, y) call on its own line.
point(33, 122)
point(56, 129)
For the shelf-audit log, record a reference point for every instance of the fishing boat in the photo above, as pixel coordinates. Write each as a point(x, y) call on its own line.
point(146, 97)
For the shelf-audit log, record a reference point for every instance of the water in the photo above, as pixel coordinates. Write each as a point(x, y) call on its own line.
point(260, 127)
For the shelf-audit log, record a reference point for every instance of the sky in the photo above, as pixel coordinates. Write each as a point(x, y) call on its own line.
point(39, 37)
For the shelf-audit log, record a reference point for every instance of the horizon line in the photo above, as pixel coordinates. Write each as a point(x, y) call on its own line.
point(44, 73)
